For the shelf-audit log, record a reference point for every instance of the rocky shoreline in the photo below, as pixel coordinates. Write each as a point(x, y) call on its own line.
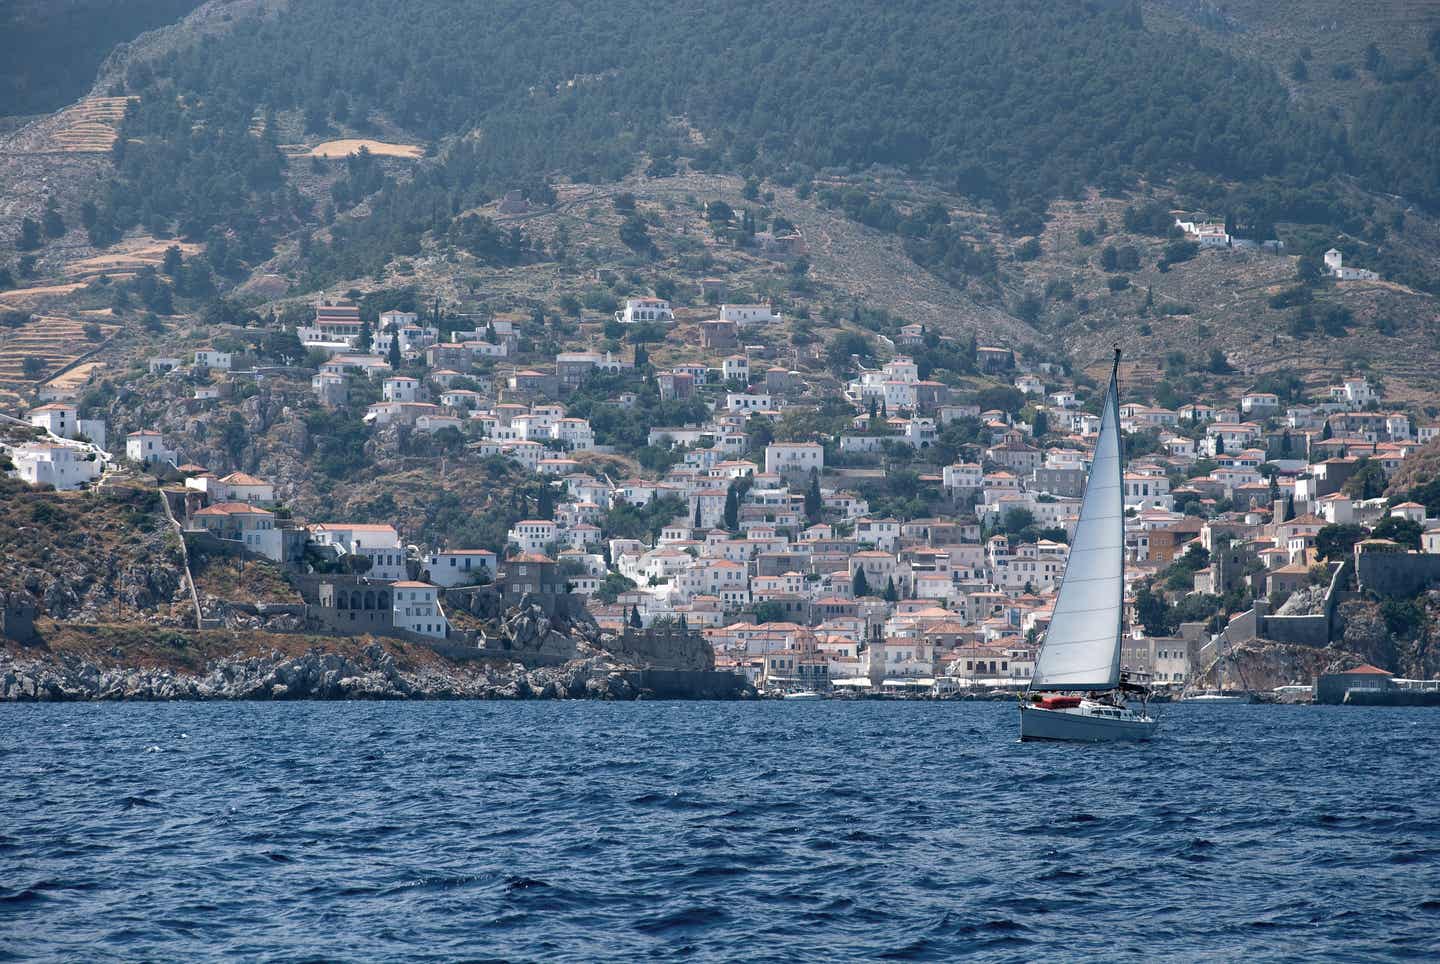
point(373, 675)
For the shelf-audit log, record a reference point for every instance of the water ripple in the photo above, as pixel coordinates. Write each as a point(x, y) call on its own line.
point(742, 832)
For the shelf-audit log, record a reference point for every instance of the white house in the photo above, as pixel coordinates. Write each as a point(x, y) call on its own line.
point(794, 458)
point(748, 314)
point(1259, 403)
point(416, 609)
point(235, 487)
point(148, 448)
point(1354, 392)
point(400, 388)
point(212, 358)
point(57, 418)
point(460, 567)
point(1206, 234)
point(1335, 267)
point(644, 310)
point(378, 543)
point(1030, 384)
point(747, 402)
point(736, 367)
point(41, 463)
point(534, 535)
point(962, 475)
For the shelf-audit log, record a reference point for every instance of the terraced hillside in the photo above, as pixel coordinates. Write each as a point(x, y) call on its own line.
point(55, 340)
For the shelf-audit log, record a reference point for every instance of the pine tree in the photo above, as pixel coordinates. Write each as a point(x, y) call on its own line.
point(545, 506)
point(29, 238)
point(173, 260)
point(1041, 425)
point(697, 513)
point(635, 618)
point(366, 339)
point(642, 358)
point(859, 585)
point(54, 222)
point(732, 509)
point(890, 594)
point(394, 358)
point(813, 502)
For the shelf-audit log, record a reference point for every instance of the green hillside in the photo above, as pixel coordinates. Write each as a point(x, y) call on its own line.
point(53, 47)
point(1009, 104)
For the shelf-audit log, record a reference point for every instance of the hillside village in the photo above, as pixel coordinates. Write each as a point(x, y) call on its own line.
point(827, 522)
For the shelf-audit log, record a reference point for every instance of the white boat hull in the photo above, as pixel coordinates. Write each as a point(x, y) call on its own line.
point(1082, 725)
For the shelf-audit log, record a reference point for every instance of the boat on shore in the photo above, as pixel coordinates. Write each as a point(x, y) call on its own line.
point(1217, 698)
point(1077, 692)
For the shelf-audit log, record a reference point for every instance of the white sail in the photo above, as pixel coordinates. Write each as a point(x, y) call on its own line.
point(1081, 650)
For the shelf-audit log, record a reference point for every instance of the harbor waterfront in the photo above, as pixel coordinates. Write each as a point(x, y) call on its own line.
point(771, 830)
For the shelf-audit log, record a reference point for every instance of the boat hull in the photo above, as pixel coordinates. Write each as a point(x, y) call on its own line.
point(1037, 723)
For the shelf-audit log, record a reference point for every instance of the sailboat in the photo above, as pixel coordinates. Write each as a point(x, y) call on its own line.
point(1077, 691)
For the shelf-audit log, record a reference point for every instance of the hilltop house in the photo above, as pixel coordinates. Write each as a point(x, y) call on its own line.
point(208, 357)
point(46, 463)
point(336, 327)
point(235, 487)
point(638, 310)
point(742, 315)
point(1335, 267)
point(148, 448)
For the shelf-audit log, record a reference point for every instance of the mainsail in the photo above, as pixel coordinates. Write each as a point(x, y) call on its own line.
point(1081, 650)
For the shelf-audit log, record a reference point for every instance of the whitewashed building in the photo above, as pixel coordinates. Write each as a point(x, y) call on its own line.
point(416, 609)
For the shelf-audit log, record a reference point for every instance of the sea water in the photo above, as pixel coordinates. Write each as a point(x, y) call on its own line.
point(577, 831)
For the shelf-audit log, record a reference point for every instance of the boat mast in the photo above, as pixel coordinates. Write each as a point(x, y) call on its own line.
point(1120, 452)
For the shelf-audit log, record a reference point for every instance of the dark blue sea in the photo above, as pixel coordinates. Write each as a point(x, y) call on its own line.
point(585, 831)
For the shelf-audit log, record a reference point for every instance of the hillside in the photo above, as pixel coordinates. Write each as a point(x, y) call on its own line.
point(941, 142)
point(108, 556)
point(54, 47)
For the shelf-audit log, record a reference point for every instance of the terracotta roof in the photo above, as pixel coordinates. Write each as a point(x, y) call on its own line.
point(531, 557)
point(233, 508)
point(1367, 670)
point(357, 527)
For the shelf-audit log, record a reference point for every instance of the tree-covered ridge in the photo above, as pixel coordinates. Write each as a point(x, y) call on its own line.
point(52, 47)
point(1013, 103)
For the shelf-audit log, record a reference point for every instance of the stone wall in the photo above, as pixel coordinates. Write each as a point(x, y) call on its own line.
point(1397, 574)
point(1312, 629)
point(17, 617)
point(687, 684)
point(665, 647)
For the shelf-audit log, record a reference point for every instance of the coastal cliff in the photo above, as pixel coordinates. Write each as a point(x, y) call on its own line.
point(111, 663)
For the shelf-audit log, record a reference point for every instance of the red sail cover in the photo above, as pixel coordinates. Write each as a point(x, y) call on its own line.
point(1058, 702)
